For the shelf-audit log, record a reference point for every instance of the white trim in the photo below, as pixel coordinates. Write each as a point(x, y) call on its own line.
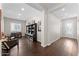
point(49, 43)
point(43, 45)
point(52, 42)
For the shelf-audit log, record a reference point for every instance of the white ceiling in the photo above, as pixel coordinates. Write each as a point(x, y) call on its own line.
point(13, 10)
point(44, 6)
point(49, 6)
point(68, 10)
point(60, 10)
point(36, 6)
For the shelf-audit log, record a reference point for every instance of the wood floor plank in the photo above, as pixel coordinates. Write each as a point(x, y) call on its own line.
point(61, 47)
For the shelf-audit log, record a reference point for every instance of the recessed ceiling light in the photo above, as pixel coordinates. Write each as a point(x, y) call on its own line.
point(63, 9)
point(22, 9)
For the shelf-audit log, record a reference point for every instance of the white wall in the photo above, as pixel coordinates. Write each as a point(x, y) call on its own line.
point(78, 27)
point(7, 23)
point(0, 33)
point(78, 31)
point(0, 6)
point(54, 27)
point(2, 25)
point(2, 20)
point(51, 26)
point(44, 27)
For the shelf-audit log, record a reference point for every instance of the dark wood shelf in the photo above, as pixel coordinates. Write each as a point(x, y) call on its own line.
point(31, 31)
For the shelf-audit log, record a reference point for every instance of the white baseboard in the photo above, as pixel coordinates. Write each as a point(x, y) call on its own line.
point(48, 44)
point(43, 45)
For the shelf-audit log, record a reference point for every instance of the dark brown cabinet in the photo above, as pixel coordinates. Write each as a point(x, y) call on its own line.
point(31, 31)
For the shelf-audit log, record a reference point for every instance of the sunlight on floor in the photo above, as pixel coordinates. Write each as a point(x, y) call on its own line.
point(68, 45)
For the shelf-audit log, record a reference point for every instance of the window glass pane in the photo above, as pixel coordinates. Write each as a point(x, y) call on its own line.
point(15, 27)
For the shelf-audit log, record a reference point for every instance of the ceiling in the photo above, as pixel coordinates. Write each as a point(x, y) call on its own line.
point(60, 10)
point(68, 10)
point(19, 11)
point(44, 6)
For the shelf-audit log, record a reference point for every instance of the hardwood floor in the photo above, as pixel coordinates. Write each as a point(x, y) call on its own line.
point(62, 47)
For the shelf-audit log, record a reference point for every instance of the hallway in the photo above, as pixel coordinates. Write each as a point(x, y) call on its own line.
point(63, 46)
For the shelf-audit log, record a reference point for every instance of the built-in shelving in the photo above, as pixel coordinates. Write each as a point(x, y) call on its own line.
point(31, 31)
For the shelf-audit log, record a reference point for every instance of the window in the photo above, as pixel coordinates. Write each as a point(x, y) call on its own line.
point(69, 27)
point(15, 27)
